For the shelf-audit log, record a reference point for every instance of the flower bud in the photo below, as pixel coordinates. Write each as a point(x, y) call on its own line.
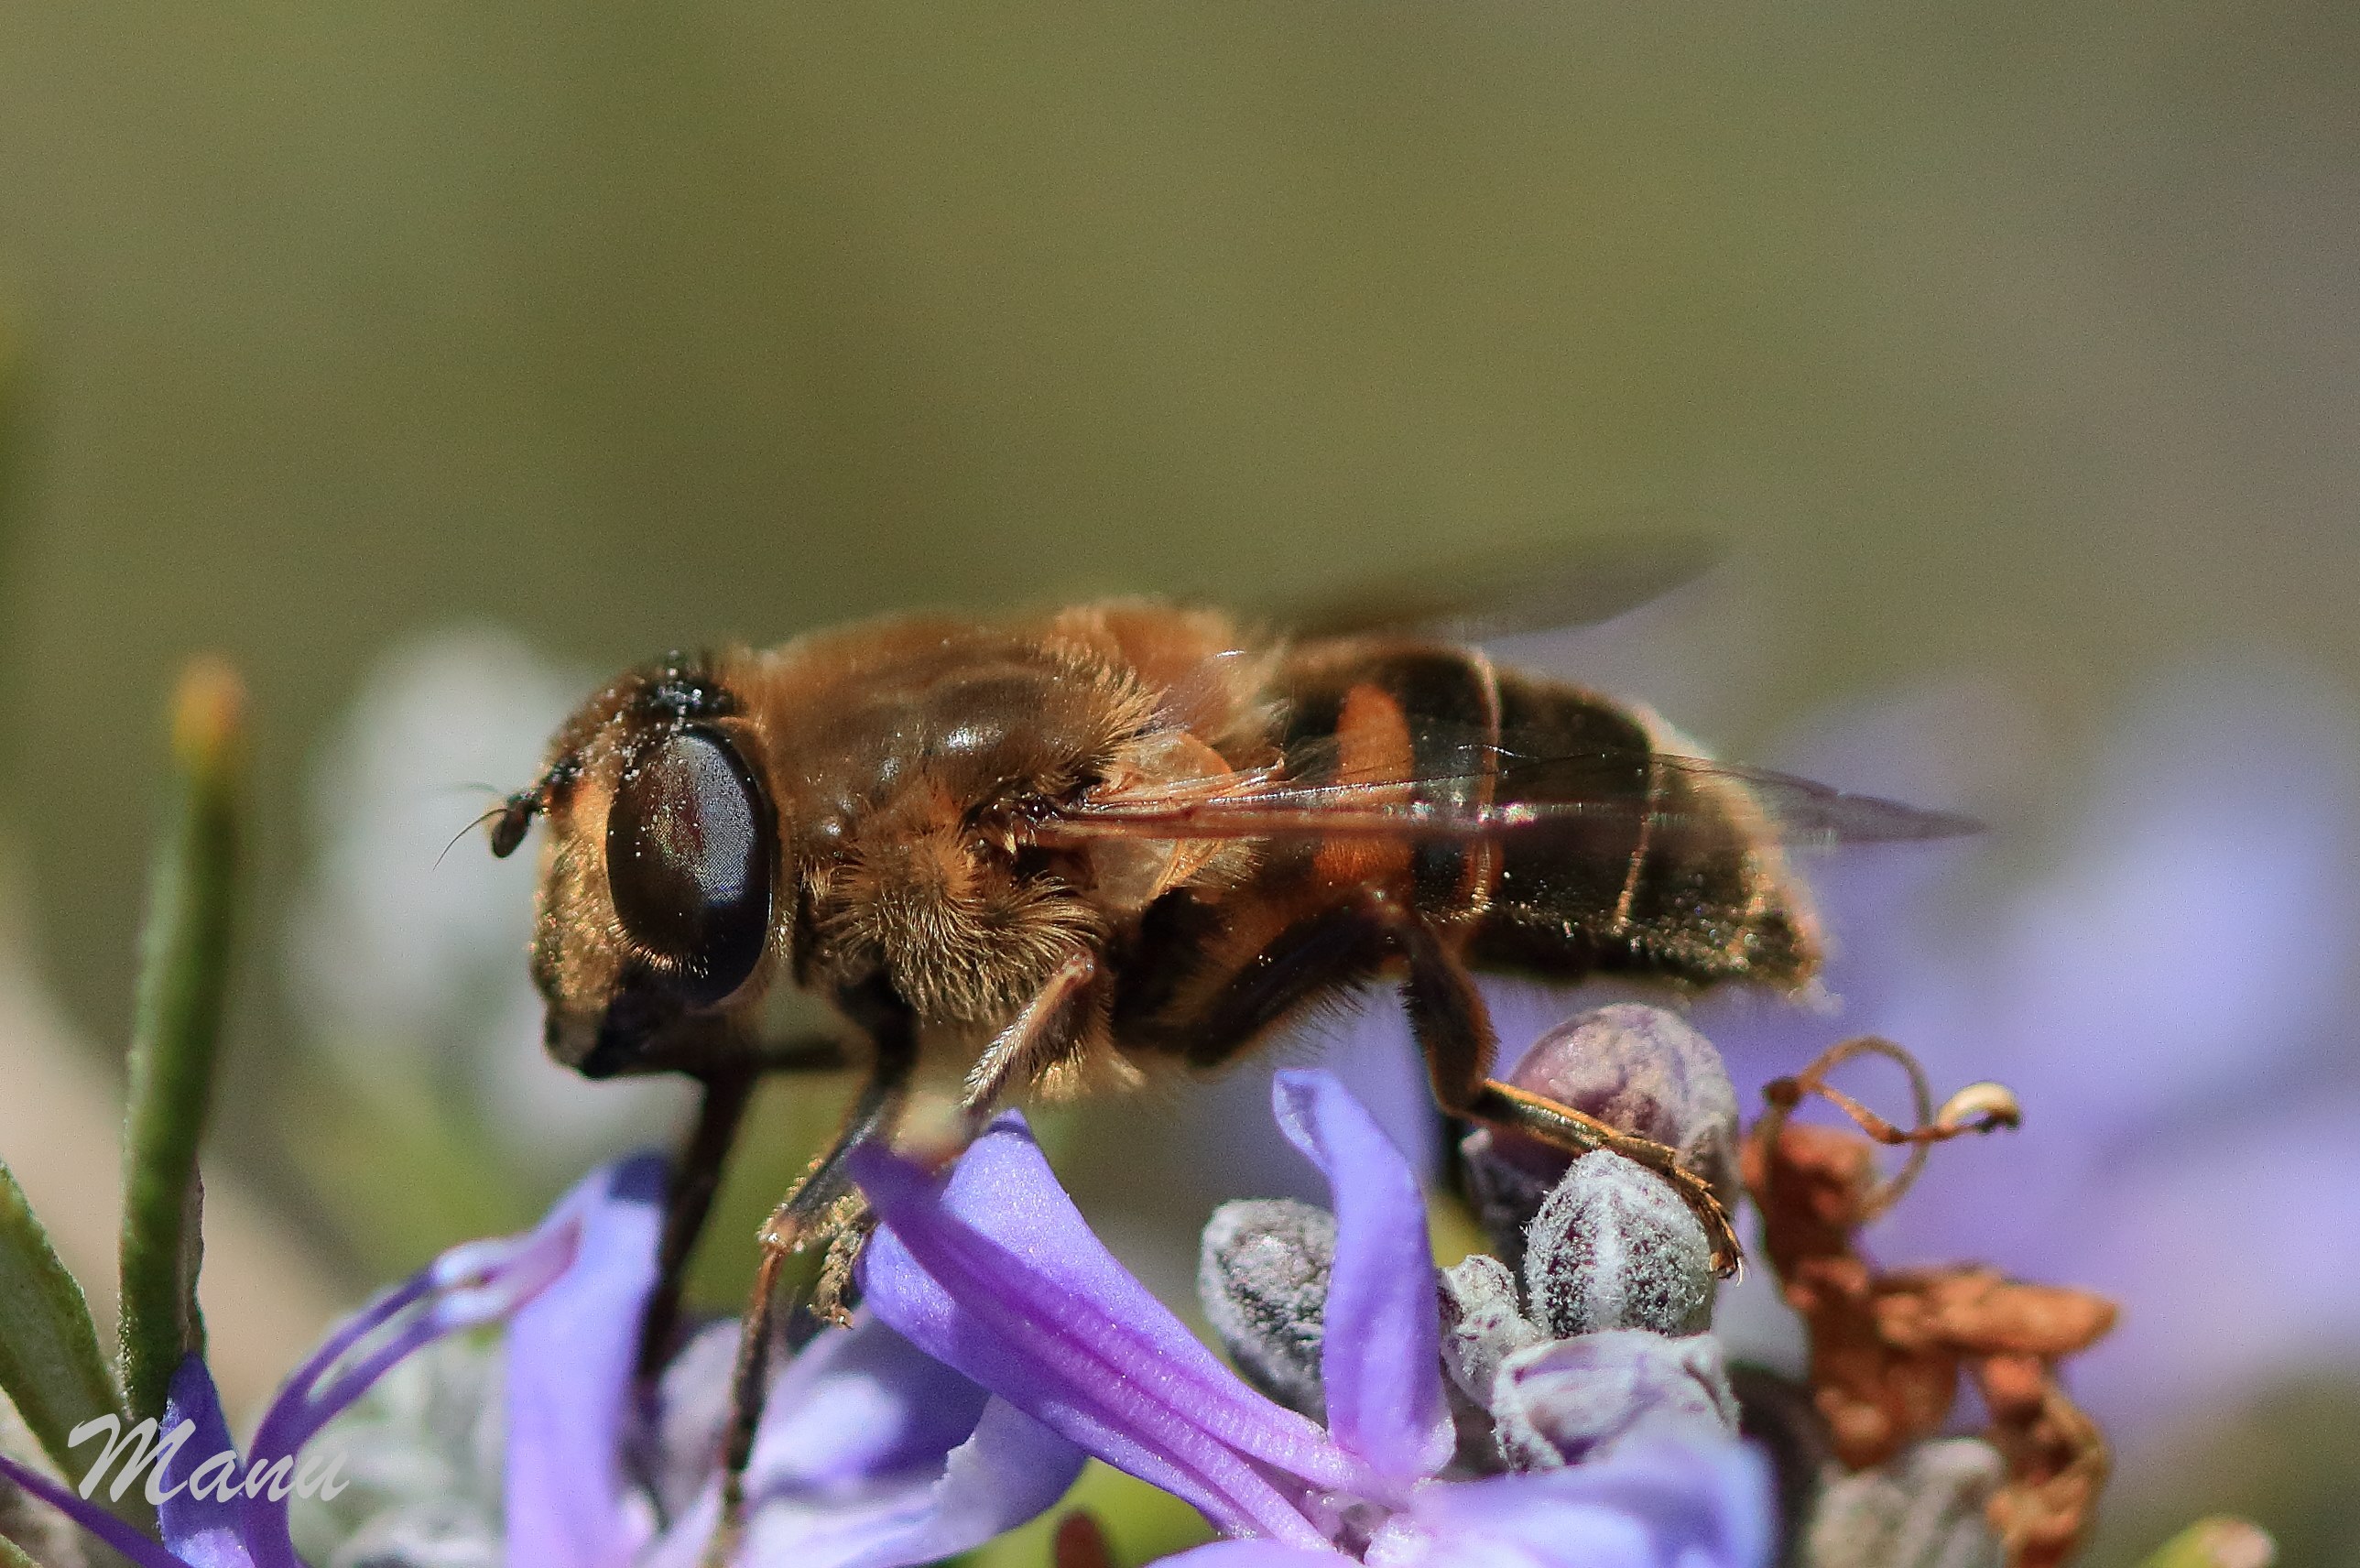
point(1263, 1277)
point(1636, 1068)
point(1481, 1323)
point(1615, 1248)
point(1567, 1400)
point(1923, 1509)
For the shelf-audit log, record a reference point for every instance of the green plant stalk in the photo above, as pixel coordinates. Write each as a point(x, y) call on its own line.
point(176, 1036)
point(50, 1365)
point(14, 1556)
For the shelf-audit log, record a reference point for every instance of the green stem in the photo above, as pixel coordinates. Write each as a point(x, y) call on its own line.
point(176, 1033)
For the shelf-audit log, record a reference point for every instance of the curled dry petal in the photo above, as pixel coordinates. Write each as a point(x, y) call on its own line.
point(1977, 1312)
point(1888, 1349)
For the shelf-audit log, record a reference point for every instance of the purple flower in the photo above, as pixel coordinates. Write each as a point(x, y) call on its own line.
point(994, 1272)
point(218, 1511)
point(871, 1454)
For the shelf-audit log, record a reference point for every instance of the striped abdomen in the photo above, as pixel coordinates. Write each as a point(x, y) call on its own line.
point(1675, 872)
point(1667, 870)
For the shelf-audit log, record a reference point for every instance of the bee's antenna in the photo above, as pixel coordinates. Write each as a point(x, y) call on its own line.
point(514, 816)
point(496, 811)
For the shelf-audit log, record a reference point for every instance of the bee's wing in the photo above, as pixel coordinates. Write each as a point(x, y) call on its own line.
point(1609, 792)
point(1506, 592)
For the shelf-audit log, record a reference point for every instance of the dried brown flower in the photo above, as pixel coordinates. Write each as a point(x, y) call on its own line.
point(1888, 1349)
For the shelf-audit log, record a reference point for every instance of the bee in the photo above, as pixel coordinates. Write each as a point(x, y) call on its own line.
point(1080, 850)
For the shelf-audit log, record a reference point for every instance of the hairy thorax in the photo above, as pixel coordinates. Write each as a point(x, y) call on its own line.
point(905, 769)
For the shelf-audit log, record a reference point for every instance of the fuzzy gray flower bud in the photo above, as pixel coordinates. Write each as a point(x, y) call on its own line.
point(1615, 1248)
point(1923, 1509)
point(1482, 1324)
point(1567, 1400)
point(1637, 1067)
point(1263, 1277)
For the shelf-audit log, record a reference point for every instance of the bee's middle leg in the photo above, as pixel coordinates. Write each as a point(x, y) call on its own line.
point(1047, 1033)
point(1358, 940)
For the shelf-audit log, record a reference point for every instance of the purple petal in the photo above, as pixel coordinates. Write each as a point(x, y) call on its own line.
point(569, 1374)
point(467, 1285)
point(1381, 1354)
point(859, 1404)
point(471, 1284)
point(997, 1275)
point(1252, 1554)
point(1699, 1505)
point(207, 1532)
point(1009, 1470)
point(135, 1546)
point(294, 1414)
point(1574, 1401)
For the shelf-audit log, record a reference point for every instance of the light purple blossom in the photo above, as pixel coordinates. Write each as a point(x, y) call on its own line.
point(244, 1525)
point(871, 1454)
point(993, 1271)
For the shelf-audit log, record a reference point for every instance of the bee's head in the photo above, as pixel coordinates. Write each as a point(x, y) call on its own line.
point(657, 875)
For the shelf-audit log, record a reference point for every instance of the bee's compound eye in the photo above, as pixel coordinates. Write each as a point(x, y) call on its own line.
point(690, 847)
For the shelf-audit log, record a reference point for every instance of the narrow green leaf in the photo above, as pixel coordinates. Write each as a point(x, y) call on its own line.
point(176, 1033)
point(50, 1365)
point(14, 1556)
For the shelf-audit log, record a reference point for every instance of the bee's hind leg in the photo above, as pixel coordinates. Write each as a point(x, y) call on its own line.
point(1454, 1030)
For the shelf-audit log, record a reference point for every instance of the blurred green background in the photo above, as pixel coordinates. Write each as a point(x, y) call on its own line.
point(2004, 337)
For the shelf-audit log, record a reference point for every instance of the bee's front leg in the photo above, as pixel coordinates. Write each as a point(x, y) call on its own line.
point(725, 1092)
point(688, 1199)
point(821, 1205)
